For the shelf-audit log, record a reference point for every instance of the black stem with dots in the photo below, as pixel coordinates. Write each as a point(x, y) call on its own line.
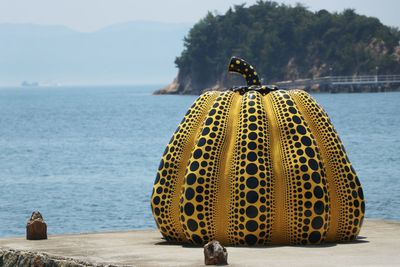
point(242, 67)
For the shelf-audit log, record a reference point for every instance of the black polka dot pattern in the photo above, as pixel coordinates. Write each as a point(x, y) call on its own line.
point(198, 221)
point(303, 194)
point(346, 187)
point(257, 168)
point(165, 196)
point(252, 204)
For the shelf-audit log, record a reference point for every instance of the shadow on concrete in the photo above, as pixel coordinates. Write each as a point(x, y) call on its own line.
point(359, 240)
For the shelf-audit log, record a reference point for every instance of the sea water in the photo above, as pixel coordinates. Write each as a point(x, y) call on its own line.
point(86, 157)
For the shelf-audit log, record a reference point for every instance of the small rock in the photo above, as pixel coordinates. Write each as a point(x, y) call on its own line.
point(36, 228)
point(38, 262)
point(215, 254)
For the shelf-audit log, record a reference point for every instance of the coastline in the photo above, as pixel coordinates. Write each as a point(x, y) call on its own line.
point(176, 88)
point(376, 245)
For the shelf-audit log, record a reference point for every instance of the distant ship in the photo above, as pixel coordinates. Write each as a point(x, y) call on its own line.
point(41, 84)
point(29, 84)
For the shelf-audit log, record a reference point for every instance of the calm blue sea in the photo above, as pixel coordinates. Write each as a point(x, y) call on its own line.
point(86, 157)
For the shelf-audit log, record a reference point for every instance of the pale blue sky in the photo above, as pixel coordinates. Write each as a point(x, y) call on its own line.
point(90, 15)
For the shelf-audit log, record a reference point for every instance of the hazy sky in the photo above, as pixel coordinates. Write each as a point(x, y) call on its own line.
point(90, 15)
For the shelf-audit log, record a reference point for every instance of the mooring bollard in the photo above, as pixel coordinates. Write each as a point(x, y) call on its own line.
point(36, 228)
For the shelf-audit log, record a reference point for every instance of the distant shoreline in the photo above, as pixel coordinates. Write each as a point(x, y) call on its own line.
point(331, 90)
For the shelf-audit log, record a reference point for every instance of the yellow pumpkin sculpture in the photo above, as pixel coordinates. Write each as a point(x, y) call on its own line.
point(256, 166)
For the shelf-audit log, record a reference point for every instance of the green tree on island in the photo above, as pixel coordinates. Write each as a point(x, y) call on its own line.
point(286, 42)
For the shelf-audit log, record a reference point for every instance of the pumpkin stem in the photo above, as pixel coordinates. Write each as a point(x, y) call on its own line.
point(242, 67)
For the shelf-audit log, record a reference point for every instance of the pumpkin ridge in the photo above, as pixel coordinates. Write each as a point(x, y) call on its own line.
point(298, 96)
point(224, 178)
point(270, 176)
point(349, 191)
point(198, 209)
point(166, 186)
point(185, 157)
point(279, 231)
point(251, 201)
point(307, 201)
point(233, 224)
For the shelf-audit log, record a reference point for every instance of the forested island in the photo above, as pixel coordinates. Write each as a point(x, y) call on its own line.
point(284, 43)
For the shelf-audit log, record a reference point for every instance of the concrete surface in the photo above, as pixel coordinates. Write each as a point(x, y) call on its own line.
point(378, 245)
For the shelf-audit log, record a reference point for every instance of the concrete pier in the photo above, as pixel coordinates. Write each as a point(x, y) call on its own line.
point(378, 245)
